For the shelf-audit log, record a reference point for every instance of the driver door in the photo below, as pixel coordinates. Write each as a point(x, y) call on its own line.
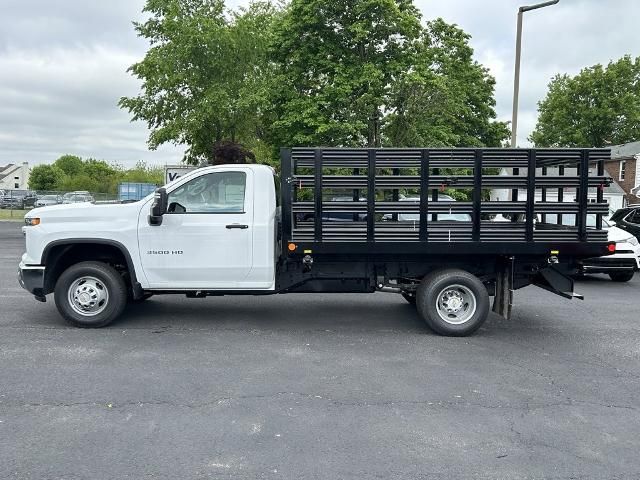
point(205, 239)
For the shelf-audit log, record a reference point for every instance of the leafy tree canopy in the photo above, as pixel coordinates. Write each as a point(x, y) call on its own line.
point(366, 72)
point(600, 106)
point(204, 74)
point(45, 177)
point(336, 61)
point(312, 72)
point(444, 98)
point(92, 175)
point(70, 164)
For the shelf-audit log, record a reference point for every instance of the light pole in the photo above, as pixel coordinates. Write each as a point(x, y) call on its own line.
point(516, 79)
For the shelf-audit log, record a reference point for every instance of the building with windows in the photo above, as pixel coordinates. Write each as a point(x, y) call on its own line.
point(14, 176)
point(623, 168)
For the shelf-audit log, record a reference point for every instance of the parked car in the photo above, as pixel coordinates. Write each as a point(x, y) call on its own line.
point(77, 197)
point(29, 200)
point(415, 217)
point(9, 201)
point(628, 219)
point(19, 199)
point(67, 196)
point(46, 200)
point(331, 216)
point(622, 265)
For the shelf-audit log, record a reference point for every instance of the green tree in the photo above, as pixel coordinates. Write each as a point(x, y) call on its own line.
point(598, 107)
point(69, 164)
point(97, 176)
point(445, 98)
point(367, 73)
point(45, 177)
point(203, 75)
point(143, 173)
point(336, 61)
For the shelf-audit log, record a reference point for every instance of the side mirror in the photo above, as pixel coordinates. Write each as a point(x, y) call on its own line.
point(159, 207)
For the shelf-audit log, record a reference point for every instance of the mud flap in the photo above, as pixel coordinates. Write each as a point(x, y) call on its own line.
point(554, 281)
point(503, 300)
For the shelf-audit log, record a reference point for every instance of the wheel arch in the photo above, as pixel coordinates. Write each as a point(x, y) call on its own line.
point(58, 255)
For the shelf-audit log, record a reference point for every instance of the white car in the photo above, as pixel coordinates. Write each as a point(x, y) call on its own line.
point(415, 217)
point(46, 200)
point(77, 197)
point(620, 266)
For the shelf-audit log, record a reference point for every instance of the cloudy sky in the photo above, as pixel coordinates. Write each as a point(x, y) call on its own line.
point(63, 66)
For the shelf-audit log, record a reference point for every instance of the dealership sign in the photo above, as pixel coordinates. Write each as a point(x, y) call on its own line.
point(173, 172)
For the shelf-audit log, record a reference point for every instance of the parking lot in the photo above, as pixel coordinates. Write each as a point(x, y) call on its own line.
point(319, 386)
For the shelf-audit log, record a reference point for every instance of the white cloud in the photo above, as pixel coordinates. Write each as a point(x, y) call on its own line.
point(64, 100)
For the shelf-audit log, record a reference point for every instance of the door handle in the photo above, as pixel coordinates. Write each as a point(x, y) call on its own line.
point(237, 225)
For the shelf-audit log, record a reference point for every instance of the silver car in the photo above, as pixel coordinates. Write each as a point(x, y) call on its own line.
point(46, 200)
point(77, 197)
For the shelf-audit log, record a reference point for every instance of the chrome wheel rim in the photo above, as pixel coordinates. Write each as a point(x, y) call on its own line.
point(456, 304)
point(88, 296)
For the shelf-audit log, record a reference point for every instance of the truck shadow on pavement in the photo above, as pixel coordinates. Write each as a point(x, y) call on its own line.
point(347, 312)
point(332, 313)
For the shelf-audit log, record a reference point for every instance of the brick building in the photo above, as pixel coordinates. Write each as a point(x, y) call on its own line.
point(624, 168)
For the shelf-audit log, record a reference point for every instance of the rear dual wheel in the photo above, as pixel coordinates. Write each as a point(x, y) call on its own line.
point(452, 302)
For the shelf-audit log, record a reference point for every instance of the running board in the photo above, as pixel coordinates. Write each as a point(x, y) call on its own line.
point(554, 281)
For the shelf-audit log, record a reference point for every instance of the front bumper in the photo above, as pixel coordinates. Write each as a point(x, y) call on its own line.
point(31, 278)
point(614, 263)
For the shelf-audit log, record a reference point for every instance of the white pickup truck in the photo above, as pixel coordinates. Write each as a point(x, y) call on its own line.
point(239, 229)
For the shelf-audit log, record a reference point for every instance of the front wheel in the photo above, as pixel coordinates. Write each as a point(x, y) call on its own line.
point(453, 302)
point(90, 294)
point(621, 276)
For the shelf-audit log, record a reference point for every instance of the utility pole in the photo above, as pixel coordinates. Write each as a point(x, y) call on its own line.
point(516, 79)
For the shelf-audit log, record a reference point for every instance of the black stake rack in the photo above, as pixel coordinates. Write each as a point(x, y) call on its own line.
point(365, 185)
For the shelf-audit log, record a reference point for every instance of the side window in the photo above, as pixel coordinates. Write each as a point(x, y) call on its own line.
point(219, 192)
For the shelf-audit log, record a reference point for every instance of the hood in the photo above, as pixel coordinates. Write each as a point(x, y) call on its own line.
point(85, 212)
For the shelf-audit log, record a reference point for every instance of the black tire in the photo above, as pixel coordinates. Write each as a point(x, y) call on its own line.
point(621, 276)
point(409, 297)
point(107, 278)
point(469, 290)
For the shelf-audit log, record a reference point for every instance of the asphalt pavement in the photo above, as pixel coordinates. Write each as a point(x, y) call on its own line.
point(319, 386)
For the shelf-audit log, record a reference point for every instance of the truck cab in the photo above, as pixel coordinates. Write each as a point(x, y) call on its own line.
point(217, 233)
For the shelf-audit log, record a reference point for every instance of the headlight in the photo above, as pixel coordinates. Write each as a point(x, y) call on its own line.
point(32, 221)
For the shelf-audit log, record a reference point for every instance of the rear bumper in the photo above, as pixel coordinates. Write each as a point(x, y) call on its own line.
point(31, 278)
